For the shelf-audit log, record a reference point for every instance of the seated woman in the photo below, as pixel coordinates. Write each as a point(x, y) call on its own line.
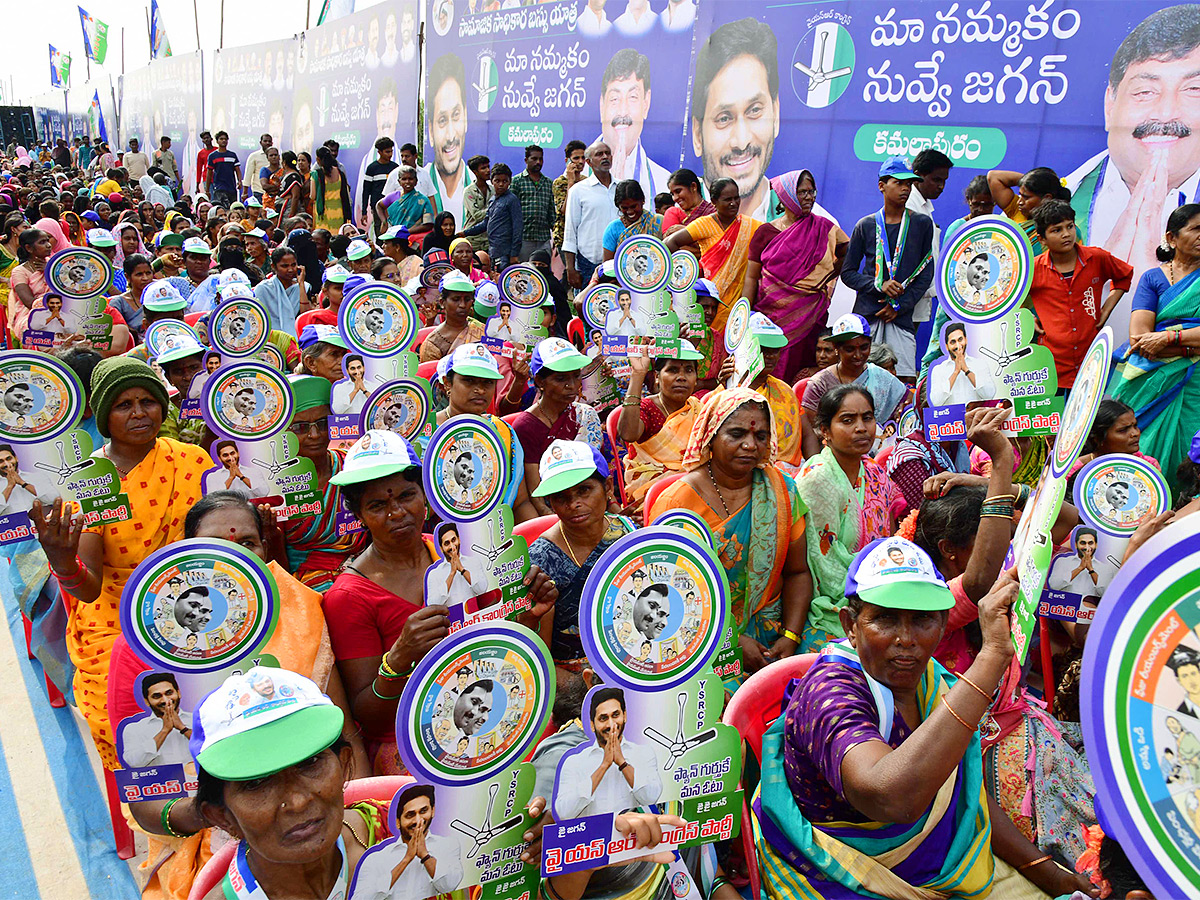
point(1114, 430)
point(872, 778)
point(462, 255)
point(1156, 378)
point(300, 643)
point(575, 485)
point(657, 427)
point(378, 623)
point(458, 327)
point(555, 414)
point(850, 502)
point(160, 477)
point(318, 546)
point(757, 520)
point(471, 376)
point(785, 408)
point(915, 458)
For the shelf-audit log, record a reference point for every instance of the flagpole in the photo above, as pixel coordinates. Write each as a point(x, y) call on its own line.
point(196, 13)
point(149, 33)
point(221, 38)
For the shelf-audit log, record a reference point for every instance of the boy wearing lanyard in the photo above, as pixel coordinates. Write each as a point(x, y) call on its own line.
point(890, 263)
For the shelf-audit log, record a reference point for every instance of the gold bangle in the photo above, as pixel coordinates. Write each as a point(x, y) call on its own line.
point(1034, 862)
point(1000, 497)
point(961, 720)
point(387, 671)
point(995, 516)
point(790, 635)
point(984, 694)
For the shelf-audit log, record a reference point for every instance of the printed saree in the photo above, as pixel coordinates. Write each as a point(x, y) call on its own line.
point(660, 454)
point(161, 489)
point(1165, 393)
point(318, 546)
point(946, 853)
point(409, 209)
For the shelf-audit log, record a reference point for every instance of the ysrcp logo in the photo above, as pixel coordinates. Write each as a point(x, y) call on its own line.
point(680, 884)
point(487, 82)
point(822, 65)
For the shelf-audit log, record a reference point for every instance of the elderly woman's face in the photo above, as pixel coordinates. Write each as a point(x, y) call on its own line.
point(894, 645)
point(292, 817)
point(580, 505)
point(743, 441)
point(136, 417)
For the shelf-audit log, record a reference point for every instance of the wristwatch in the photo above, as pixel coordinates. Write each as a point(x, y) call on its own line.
point(623, 766)
point(424, 859)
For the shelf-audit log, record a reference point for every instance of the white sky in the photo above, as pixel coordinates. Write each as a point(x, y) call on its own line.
point(27, 59)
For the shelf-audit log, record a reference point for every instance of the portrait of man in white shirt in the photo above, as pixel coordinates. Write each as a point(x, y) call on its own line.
point(613, 774)
point(1082, 573)
point(959, 378)
point(458, 578)
point(416, 864)
point(19, 489)
point(160, 737)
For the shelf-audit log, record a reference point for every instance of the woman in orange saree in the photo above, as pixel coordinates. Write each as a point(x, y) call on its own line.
point(162, 480)
point(722, 241)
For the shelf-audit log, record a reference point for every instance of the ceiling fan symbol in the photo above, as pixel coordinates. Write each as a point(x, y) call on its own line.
point(818, 76)
point(488, 832)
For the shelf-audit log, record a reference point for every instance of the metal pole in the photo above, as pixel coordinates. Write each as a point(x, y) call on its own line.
point(221, 37)
point(307, 13)
point(149, 33)
point(196, 13)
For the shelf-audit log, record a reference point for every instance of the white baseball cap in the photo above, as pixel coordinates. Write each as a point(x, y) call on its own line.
point(567, 463)
point(100, 237)
point(185, 348)
point(769, 334)
point(230, 276)
point(161, 296)
point(337, 274)
point(358, 249)
point(557, 355)
point(850, 326)
point(898, 574)
point(195, 245)
point(253, 203)
point(262, 722)
point(377, 454)
point(473, 360)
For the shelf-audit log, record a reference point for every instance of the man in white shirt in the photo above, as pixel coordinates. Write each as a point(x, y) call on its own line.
point(593, 20)
point(160, 738)
point(417, 864)
point(1081, 574)
point(1185, 663)
point(350, 394)
point(637, 19)
point(457, 578)
point(255, 163)
point(446, 131)
point(611, 776)
point(678, 15)
point(135, 162)
point(589, 210)
point(626, 322)
point(19, 489)
point(232, 478)
point(624, 106)
point(959, 378)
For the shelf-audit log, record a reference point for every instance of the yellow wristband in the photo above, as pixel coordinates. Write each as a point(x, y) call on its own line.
point(790, 635)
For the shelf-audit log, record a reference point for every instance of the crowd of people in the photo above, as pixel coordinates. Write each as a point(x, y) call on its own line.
point(966, 779)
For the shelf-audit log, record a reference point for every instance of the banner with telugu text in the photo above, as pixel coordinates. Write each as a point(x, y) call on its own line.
point(165, 98)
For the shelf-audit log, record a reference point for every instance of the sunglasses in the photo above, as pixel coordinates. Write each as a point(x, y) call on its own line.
point(320, 426)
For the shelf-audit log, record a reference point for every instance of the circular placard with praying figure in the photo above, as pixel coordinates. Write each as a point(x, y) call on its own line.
point(654, 609)
point(685, 270)
point(1082, 403)
point(168, 334)
point(475, 704)
point(238, 327)
point(378, 319)
point(643, 264)
point(199, 605)
point(985, 269)
point(464, 471)
point(524, 286)
point(41, 398)
point(79, 273)
point(597, 301)
point(247, 401)
point(400, 406)
point(1118, 492)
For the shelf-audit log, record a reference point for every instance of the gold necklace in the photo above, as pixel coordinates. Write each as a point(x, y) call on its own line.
point(571, 551)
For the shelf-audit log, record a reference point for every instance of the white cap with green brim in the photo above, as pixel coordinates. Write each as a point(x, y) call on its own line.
point(413, 285)
point(377, 454)
point(474, 361)
point(254, 203)
point(197, 246)
point(687, 350)
point(567, 463)
point(236, 290)
point(100, 237)
point(897, 574)
point(232, 276)
point(161, 296)
point(257, 233)
point(262, 722)
point(456, 281)
point(187, 348)
point(557, 355)
point(358, 249)
point(769, 334)
point(337, 274)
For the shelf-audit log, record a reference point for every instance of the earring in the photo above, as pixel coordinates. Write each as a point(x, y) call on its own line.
point(1165, 244)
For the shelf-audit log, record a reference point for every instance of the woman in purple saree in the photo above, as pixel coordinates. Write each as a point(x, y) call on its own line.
point(792, 261)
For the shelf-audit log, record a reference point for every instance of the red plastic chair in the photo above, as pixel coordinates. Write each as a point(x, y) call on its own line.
point(427, 370)
point(576, 333)
point(122, 833)
point(751, 710)
point(799, 387)
point(534, 528)
point(610, 425)
point(383, 787)
point(657, 487)
point(193, 318)
point(881, 457)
